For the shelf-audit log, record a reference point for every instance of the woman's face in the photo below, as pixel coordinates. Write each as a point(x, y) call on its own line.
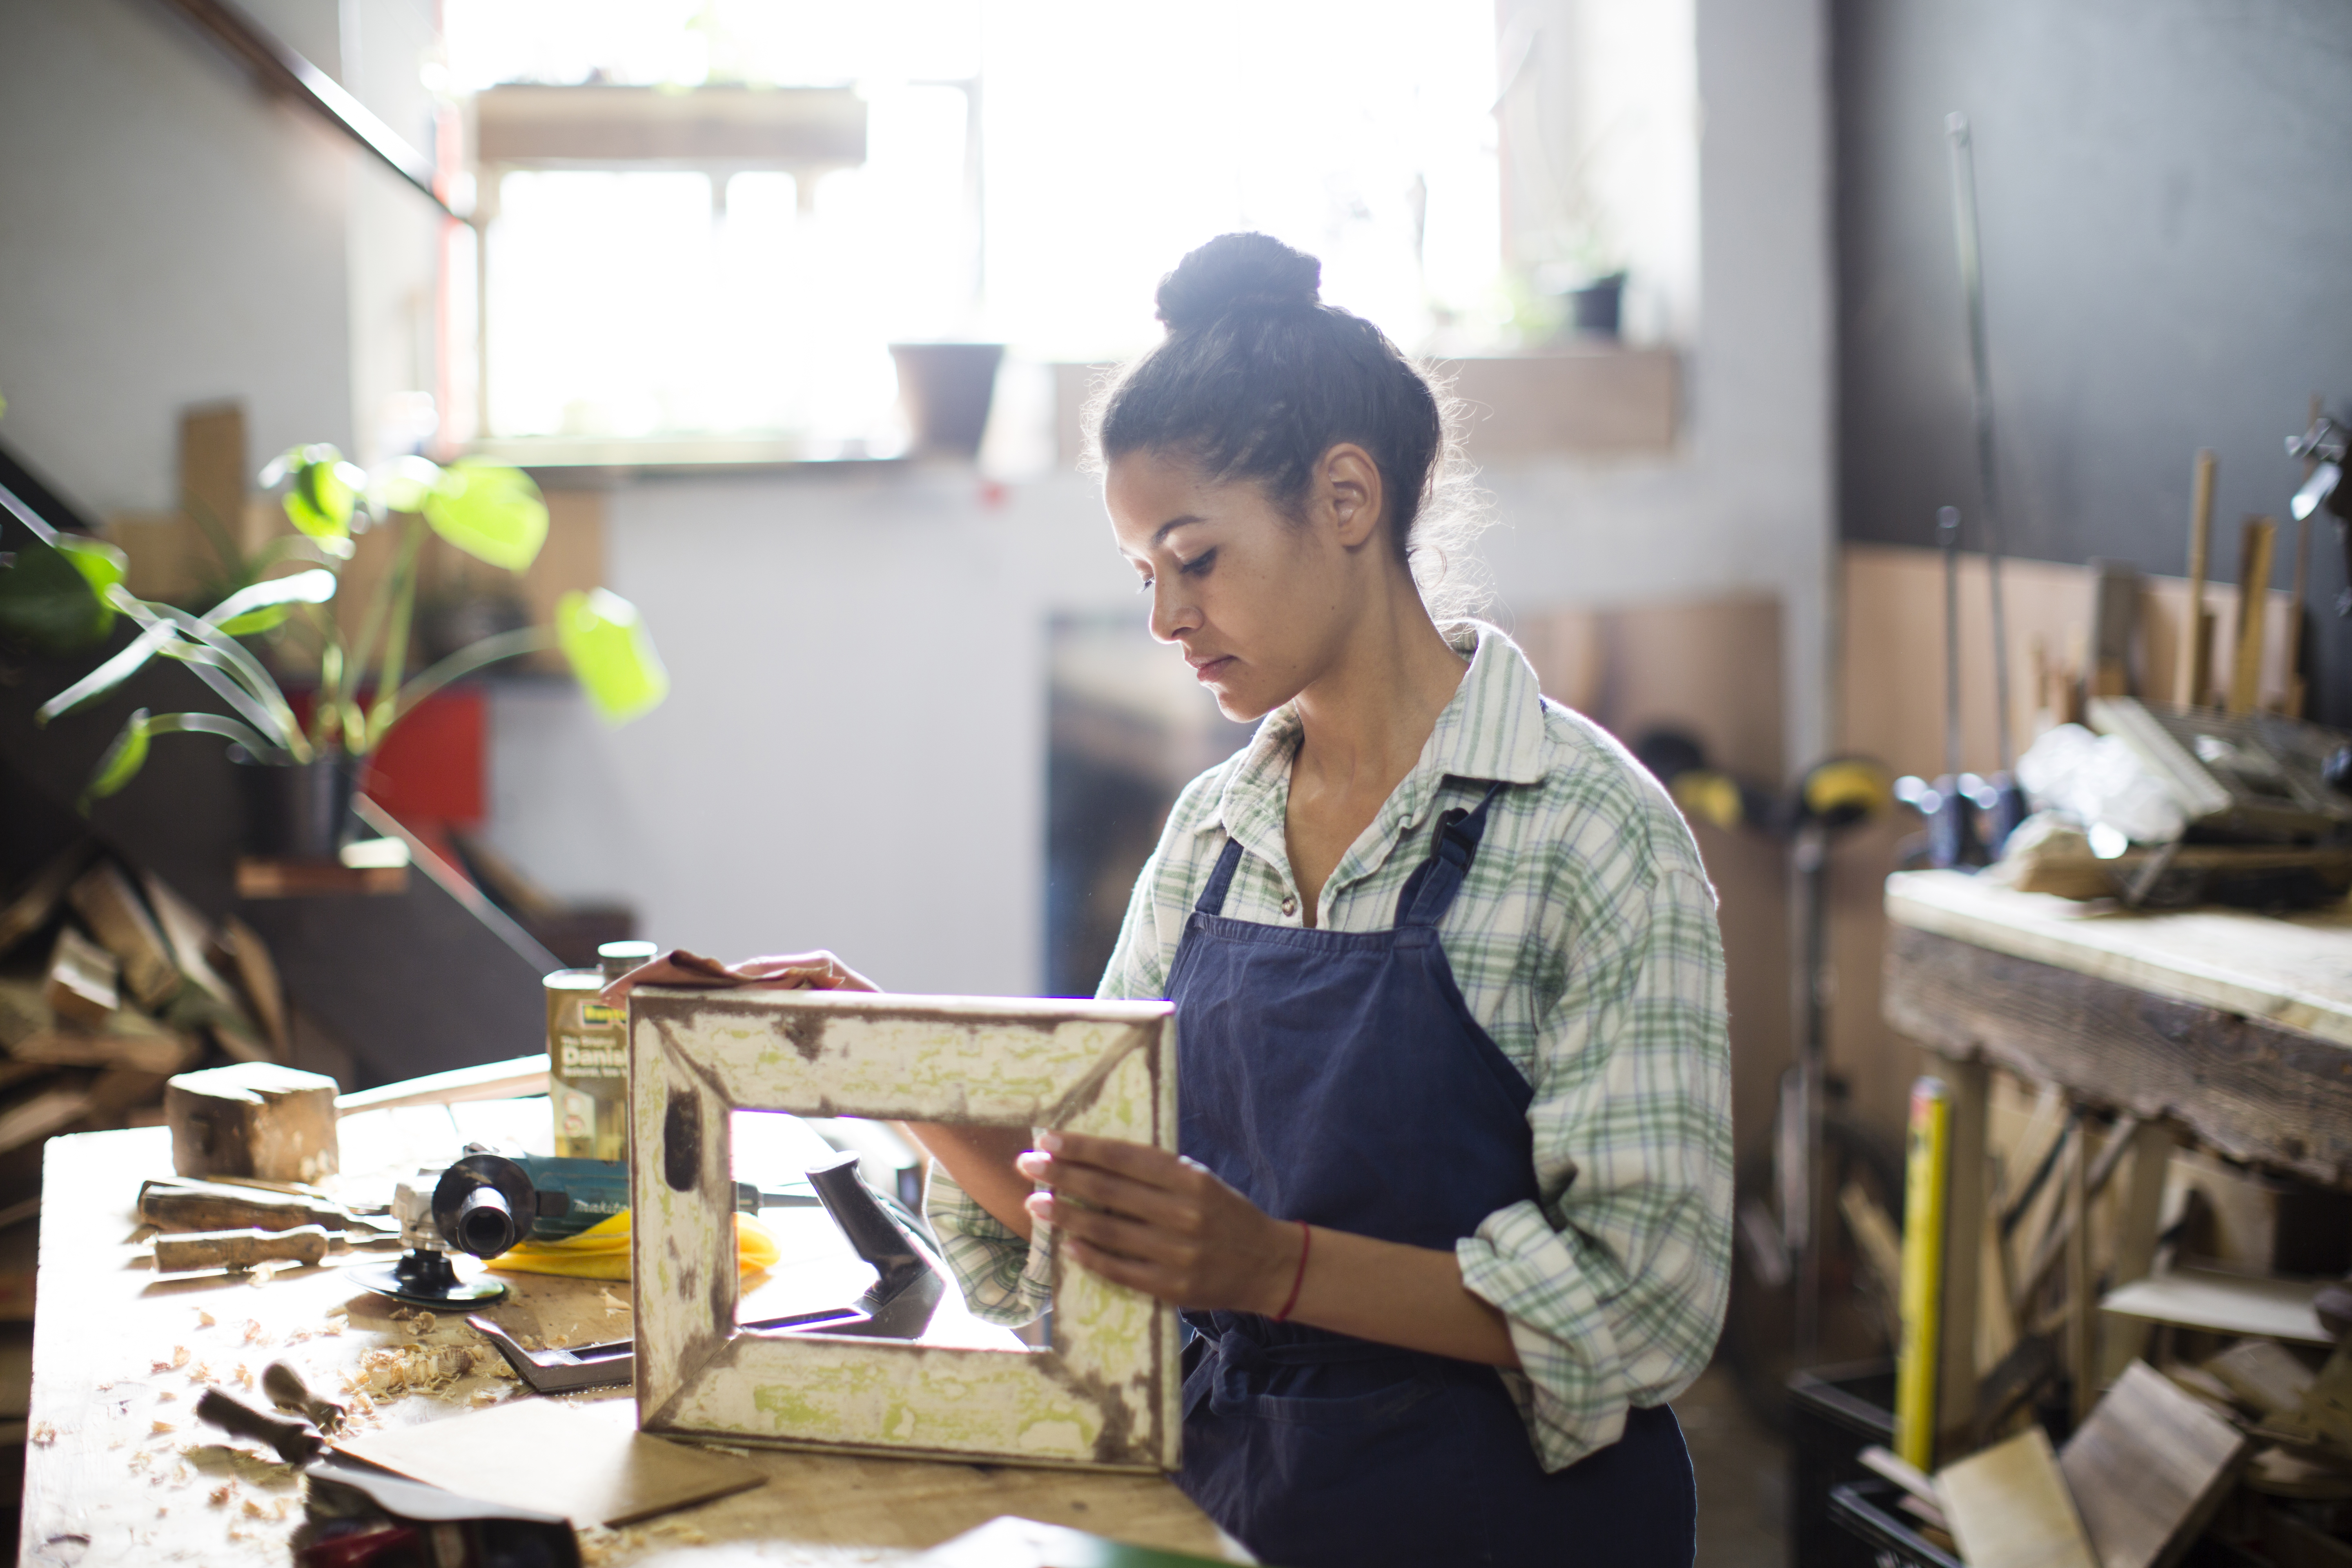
point(1257, 602)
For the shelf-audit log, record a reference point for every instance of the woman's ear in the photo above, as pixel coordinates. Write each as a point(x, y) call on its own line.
point(1348, 490)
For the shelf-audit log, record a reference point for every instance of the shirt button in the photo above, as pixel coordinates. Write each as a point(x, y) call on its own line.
point(1289, 904)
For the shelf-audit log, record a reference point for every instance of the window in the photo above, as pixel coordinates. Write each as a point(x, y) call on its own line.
point(1024, 174)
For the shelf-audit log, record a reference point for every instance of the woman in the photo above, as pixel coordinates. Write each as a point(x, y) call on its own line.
point(1452, 1220)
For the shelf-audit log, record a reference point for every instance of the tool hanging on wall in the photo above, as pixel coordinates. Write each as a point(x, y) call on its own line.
point(1949, 806)
point(2008, 804)
point(2197, 645)
point(2322, 448)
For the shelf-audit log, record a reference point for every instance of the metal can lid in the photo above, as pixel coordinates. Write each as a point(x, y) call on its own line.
point(574, 980)
point(617, 958)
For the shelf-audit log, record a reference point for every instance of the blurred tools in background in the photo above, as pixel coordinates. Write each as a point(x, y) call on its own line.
point(1817, 1248)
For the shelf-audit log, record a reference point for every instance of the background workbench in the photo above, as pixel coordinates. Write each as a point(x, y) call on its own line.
point(2222, 1028)
point(117, 1469)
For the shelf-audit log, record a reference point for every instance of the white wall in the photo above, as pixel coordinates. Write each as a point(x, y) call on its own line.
point(167, 236)
point(853, 752)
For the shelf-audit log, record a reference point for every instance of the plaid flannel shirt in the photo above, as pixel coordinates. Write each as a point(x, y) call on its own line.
point(1584, 940)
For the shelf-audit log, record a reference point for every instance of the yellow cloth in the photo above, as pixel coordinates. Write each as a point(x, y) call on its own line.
point(601, 1251)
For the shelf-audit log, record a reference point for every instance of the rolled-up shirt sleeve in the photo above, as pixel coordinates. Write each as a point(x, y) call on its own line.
point(1614, 1281)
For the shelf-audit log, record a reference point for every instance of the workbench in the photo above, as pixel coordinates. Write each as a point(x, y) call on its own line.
point(2221, 1027)
point(118, 1469)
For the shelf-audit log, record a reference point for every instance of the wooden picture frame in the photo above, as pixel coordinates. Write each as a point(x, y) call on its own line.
point(1105, 1395)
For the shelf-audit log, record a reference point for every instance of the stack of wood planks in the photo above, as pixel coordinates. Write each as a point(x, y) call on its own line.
point(111, 983)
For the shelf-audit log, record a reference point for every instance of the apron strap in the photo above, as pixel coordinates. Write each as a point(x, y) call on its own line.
point(1212, 896)
point(1430, 892)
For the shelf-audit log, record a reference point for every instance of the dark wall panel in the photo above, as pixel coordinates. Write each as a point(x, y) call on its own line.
point(2166, 188)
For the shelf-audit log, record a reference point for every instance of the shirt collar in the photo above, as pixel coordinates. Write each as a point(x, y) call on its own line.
point(1491, 730)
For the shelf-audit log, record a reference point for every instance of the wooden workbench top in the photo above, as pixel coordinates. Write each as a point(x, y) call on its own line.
point(117, 1468)
point(2293, 970)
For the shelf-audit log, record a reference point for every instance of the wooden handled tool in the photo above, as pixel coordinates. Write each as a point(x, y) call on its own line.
point(297, 1442)
point(283, 1383)
point(243, 1248)
point(185, 1205)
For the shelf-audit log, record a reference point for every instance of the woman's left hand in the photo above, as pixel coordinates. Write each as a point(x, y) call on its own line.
point(1161, 1223)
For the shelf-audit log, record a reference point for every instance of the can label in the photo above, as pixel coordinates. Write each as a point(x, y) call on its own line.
point(588, 1068)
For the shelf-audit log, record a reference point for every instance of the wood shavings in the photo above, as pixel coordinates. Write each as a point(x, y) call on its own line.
point(218, 1497)
point(243, 1376)
point(611, 1303)
point(602, 1544)
point(204, 1319)
point(297, 1336)
point(44, 1433)
point(337, 1322)
point(254, 1507)
point(201, 1373)
point(559, 1341)
point(422, 1323)
point(165, 1397)
point(177, 1358)
point(162, 1426)
point(255, 1334)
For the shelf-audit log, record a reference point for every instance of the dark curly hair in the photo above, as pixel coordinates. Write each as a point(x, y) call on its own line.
point(1258, 378)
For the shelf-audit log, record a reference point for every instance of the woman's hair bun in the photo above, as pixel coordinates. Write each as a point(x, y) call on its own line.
point(1235, 272)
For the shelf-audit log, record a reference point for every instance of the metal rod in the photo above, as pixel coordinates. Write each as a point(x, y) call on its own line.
point(1964, 216)
point(1948, 536)
point(283, 70)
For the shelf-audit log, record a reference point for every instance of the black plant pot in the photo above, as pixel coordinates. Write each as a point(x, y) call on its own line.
point(1597, 308)
point(299, 811)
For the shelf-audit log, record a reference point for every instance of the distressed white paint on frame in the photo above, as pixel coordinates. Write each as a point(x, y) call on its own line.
point(1105, 1396)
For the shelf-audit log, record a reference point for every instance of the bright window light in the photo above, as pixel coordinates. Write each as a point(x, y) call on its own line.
point(1111, 138)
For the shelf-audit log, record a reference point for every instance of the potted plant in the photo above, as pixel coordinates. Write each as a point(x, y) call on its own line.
point(305, 770)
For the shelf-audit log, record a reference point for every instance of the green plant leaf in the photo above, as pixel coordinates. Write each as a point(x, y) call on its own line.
point(612, 653)
point(321, 491)
point(490, 511)
point(102, 566)
point(265, 604)
point(54, 598)
point(403, 484)
point(121, 762)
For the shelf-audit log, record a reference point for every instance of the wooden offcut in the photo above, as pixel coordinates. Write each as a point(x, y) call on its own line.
point(256, 1119)
point(79, 986)
point(2224, 1303)
point(2148, 1468)
point(31, 1032)
point(2009, 1508)
point(2257, 545)
point(109, 906)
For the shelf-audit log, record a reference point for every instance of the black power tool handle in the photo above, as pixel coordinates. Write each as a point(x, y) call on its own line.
point(870, 1231)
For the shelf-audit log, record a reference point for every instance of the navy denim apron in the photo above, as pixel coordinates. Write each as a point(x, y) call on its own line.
point(1340, 1078)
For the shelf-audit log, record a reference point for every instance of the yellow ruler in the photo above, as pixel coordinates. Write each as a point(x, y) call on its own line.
point(1923, 1271)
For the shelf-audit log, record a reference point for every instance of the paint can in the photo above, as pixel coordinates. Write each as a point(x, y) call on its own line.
point(588, 1056)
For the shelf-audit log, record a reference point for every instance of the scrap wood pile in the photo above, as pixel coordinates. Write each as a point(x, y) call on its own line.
point(2250, 1450)
point(109, 983)
point(2225, 1437)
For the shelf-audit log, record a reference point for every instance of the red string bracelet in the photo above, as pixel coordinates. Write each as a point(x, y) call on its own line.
point(1306, 1241)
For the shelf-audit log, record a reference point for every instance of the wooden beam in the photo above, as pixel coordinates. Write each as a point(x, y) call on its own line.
point(2254, 1091)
